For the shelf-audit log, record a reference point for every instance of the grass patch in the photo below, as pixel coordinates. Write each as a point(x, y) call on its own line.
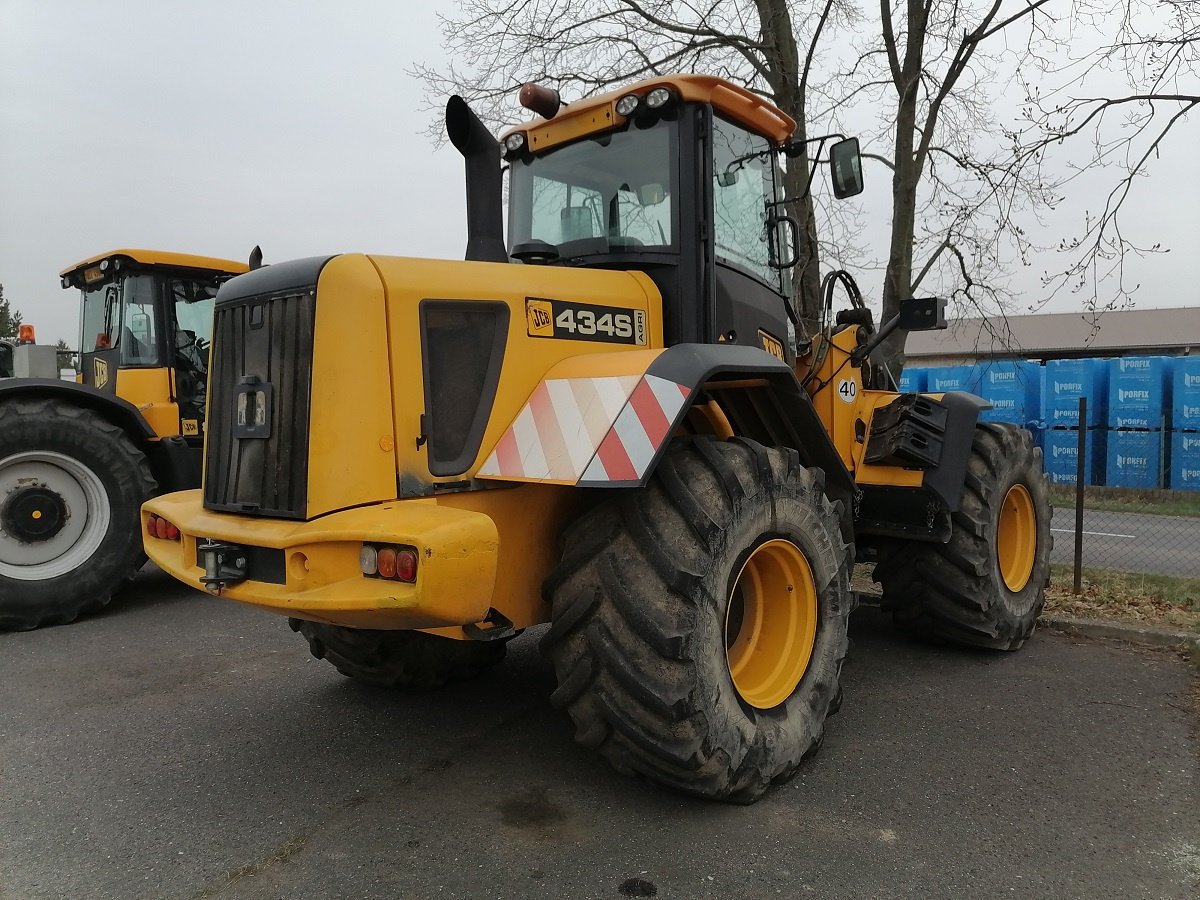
point(1161, 601)
point(1158, 503)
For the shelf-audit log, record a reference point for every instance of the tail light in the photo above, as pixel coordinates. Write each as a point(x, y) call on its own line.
point(157, 526)
point(388, 561)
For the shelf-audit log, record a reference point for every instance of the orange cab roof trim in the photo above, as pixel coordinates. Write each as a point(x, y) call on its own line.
point(164, 258)
point(733, 101)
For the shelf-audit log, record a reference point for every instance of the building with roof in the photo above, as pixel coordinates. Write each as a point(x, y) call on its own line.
point(1042, 336)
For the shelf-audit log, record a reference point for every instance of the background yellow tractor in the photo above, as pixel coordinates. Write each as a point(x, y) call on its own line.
point(619, 436)
point(77, 459)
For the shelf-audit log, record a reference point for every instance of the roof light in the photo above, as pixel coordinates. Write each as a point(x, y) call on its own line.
point(541, 100)
point(104, 265)
point(25, 335)
point(627, 104)
point(659, 97)
point(515, 142)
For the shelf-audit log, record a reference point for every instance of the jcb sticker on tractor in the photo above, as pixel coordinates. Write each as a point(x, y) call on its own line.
point(584, 322)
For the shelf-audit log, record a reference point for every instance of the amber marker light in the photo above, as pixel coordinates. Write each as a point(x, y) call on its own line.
point(541, 100)
point(25, 335)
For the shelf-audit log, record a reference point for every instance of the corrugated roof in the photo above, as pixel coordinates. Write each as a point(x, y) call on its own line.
point(1064, 334)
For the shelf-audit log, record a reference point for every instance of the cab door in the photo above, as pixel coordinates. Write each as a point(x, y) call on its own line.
point(748, 292)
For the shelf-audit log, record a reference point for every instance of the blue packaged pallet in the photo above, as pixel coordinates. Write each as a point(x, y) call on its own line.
point(1185, 403)
point(1184, 474)
point(1013, 386)
point(1066, 381)
point(1060, 453)
point(1134, 459)
point(913, 381)
point(1139, 392)
point(952, 378)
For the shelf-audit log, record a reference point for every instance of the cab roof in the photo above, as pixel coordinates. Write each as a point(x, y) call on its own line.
point(599, 113)
point(164, 258)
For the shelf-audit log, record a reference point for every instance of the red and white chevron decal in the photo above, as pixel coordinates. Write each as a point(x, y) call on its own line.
point(588, 431)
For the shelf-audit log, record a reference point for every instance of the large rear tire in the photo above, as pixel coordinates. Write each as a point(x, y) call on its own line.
point(986, 586)
point(699, 624)
point(71, 487)
point(398, 658)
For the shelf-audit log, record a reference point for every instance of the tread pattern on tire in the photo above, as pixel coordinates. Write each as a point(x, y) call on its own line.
point(398, 658)
point(25, 605)
point(638, 606)
point(954, 591)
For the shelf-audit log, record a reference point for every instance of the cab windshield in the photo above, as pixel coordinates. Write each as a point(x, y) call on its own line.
point(604, 194)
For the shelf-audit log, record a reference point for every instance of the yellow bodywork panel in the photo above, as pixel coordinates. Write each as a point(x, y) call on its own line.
point(846, 410)
point(527, 357)
point(350, 456)
point(456, 571)
point(150, 391)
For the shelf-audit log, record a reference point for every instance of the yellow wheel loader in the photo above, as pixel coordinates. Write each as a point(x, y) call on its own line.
point(605, 424)
point(78, 458)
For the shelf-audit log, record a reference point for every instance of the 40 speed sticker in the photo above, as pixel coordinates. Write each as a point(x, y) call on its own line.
point(584, 322)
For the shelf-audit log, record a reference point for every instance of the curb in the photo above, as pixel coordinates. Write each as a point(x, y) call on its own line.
point(1135, 634)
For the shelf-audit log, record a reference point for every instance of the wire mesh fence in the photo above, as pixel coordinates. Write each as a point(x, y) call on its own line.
point(1114, 512)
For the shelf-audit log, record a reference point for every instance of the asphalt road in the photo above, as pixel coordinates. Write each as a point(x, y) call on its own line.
point(1130, 542)
point(184, 747)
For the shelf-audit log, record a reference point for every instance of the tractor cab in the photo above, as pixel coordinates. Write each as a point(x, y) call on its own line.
point(679, 178)
point(145, 329)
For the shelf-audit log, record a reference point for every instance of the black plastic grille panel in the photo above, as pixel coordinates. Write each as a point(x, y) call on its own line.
point(268, 338)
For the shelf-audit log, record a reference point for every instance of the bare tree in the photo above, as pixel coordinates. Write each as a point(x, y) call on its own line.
point(1120, 98)
point(924, 75)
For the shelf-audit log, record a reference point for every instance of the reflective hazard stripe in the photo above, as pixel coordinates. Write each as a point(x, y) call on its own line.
point(588, 430)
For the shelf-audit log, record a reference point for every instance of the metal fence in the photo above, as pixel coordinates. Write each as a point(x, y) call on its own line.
point(1121, 527)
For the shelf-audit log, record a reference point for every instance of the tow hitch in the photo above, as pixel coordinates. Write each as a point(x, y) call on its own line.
point(223, 564)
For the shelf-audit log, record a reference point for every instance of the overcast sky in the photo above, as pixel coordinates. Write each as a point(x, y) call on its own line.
point(211, 127)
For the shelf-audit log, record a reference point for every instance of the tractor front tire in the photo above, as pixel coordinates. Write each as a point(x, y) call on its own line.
point(699, 623)
point(71, 487)
point(986, 586)
point(402, 659)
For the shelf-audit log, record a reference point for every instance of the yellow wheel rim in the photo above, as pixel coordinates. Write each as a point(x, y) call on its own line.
point(771, 624)
point(1016, 538)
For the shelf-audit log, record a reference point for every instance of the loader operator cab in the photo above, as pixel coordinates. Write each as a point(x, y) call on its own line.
point(688, 190)
point(147, 316)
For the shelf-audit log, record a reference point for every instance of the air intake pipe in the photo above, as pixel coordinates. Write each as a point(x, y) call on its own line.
point(485, 219)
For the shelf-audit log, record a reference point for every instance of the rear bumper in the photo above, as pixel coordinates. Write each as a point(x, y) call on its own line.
point(315, 571)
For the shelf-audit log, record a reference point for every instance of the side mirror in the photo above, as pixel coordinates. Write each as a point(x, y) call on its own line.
point(651, 194)
point(923, 314)
point(575, 223)
point(728, 178)
point(845, 168)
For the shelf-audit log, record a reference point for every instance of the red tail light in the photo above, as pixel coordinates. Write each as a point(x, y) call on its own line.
point(157, 526)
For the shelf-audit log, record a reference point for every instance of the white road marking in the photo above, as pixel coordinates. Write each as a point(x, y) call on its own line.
point(1093, 533)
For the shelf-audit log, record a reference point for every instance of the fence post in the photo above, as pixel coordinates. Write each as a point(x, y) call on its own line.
point(1080, 478)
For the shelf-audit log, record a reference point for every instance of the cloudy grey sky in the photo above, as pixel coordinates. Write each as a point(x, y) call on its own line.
point(211, 127)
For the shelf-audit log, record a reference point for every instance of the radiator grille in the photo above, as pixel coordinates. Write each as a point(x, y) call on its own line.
point(268, 338)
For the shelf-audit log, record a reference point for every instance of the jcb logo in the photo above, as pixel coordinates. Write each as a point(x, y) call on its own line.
point(771, 344)
point(100, 373)
point(191, 428)
point(540, 317)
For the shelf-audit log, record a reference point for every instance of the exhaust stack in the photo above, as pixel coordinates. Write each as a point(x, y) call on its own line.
point(485, 219)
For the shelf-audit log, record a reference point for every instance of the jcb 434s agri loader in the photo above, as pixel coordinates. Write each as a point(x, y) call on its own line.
point(416, 459)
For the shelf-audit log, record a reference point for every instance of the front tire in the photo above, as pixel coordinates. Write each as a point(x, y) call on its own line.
point(700, 623)
point(392, 659)
point(986, 586)
point(71, 487)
